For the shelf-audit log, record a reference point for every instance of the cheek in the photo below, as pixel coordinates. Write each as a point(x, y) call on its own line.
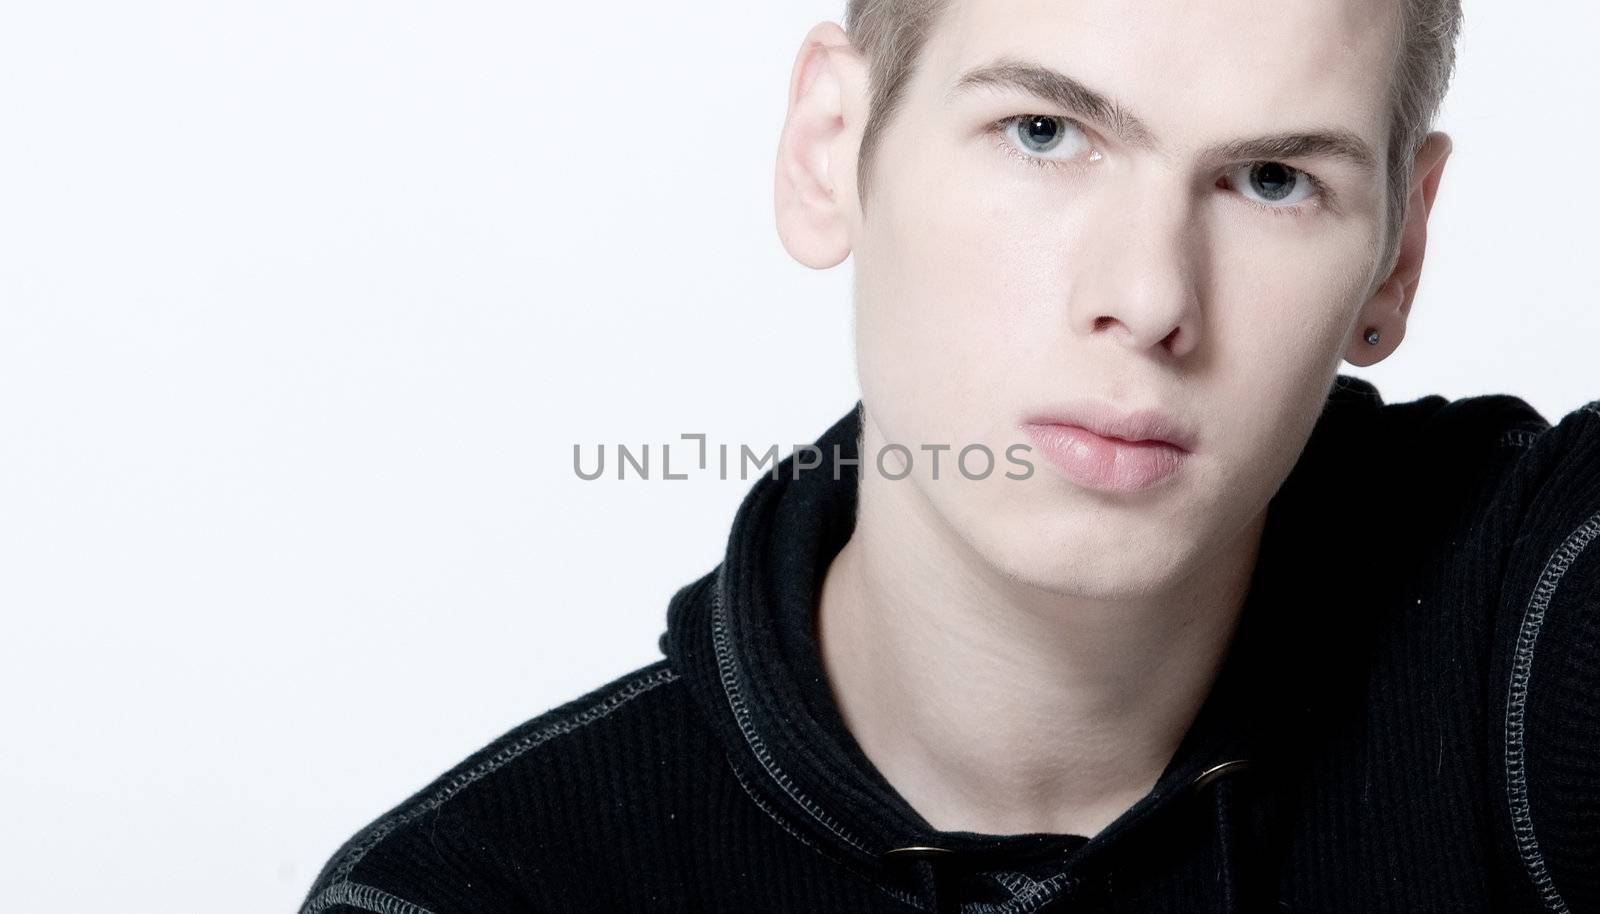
point(1278, 330)
point(951, 278)
point(1283, 304)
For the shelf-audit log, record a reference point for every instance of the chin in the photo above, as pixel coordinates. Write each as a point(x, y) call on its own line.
point(1080, 556)
point(1068, 565)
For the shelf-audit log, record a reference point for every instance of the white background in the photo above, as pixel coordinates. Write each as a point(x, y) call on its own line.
point(304, 304)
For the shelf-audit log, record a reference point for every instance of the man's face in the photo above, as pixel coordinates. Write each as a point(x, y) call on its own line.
point(1007, 266)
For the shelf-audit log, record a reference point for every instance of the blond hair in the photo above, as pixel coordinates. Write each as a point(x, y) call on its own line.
point(892, 34)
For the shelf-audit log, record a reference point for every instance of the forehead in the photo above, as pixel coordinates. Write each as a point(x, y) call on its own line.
point(1193, 70)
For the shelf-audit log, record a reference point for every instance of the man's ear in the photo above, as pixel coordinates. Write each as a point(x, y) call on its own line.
point(1387, 309)
point(816, 187)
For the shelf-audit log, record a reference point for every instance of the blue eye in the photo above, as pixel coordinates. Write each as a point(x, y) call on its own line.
point(1045, 136)
point(1039, 133)
point(1274, 183)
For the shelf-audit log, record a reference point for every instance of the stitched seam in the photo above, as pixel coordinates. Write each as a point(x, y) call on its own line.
point(1027, 894)
point(362, 897)
point(1015, 883)
point(1516, 712)
point(1519, 437)
point(731, 686)
point(1592, 408)
point(903, 897)
point(1526, 437)
point(616, 699)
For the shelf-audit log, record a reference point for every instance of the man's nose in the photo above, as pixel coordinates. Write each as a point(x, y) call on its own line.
point(1139, 274)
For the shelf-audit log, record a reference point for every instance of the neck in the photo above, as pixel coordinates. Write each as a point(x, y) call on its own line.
point(998, 707)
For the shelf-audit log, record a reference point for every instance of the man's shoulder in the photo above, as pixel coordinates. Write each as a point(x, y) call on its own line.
point(1546, 476)
point(474, 838)
point(1449, 460)
point(1488, 478)
point(1436, 428)
point(1561, 458)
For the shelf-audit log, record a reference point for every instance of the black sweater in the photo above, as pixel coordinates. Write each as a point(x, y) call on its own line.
point(1408, 720)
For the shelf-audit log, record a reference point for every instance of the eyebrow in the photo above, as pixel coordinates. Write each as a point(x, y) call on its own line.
point(1066, 92)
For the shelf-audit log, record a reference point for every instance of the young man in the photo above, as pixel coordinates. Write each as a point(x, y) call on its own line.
point(1210, 628)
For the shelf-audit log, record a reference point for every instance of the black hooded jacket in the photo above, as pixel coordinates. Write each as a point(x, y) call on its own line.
point(1408, 719)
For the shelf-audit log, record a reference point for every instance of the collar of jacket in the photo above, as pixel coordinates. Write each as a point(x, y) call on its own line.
point(742, 637)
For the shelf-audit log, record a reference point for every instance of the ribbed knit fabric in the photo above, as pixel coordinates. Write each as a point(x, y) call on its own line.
point(1408, 720)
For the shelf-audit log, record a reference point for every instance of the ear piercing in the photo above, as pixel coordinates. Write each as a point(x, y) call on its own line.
point(1372, 335)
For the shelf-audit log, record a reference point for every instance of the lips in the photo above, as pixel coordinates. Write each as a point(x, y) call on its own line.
point(1107, 421)
point(1100, 446)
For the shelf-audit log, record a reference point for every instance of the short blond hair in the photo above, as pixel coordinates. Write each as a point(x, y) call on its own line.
point(892, 34)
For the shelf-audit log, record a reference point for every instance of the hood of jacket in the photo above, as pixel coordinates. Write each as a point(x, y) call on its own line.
point(743, 637)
